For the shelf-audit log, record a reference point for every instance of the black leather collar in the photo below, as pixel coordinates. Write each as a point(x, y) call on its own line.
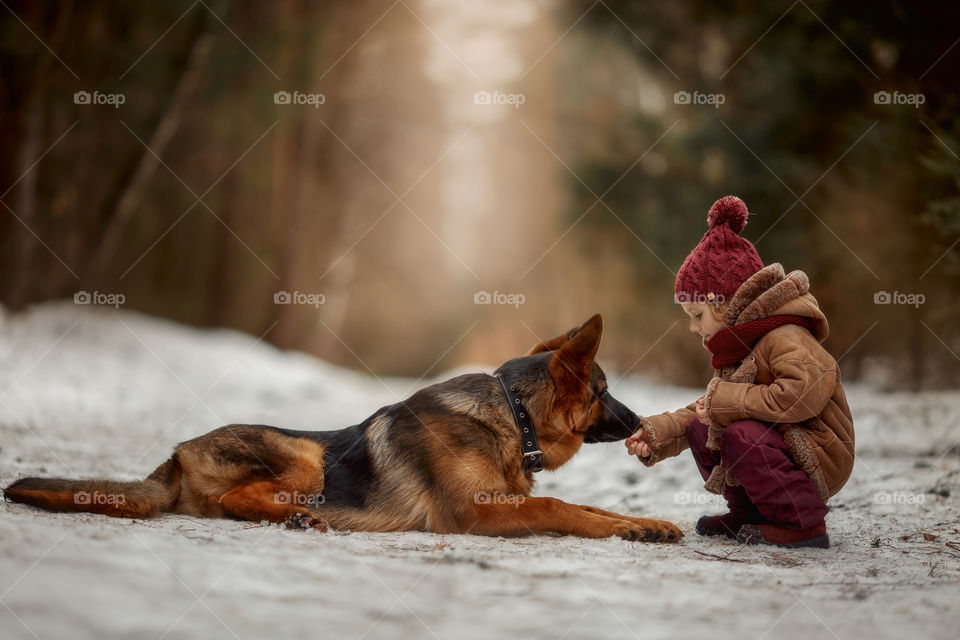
point(532, 455)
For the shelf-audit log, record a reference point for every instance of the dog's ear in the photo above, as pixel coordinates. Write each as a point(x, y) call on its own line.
point(555, 343)
point(573, 361)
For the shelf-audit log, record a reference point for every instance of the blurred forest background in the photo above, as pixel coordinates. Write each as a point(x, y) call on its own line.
point(397, 192)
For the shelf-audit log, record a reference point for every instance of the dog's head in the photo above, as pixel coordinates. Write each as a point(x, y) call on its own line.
point(566, 390)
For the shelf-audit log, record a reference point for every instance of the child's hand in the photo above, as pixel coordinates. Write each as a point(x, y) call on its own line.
point(702, 414)
point(637, 444)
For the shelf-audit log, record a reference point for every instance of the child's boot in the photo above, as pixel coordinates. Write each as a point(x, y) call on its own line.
point(741, 512)
point(815, 536)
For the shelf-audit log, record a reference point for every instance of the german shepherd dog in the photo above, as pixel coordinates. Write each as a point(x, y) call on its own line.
point(448, 460)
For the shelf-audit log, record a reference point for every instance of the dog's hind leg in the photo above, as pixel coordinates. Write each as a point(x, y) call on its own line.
point(254, 473)
point(291, 497)
point(272, 501)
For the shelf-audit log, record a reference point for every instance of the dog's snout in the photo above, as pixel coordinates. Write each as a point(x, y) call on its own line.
point(622, 414)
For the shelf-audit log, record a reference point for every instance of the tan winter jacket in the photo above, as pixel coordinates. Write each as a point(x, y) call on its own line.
point(788, 380)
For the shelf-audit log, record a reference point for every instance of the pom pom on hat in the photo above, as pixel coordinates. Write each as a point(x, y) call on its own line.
point(729, 210)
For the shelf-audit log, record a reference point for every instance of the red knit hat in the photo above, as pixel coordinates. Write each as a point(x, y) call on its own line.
point(722, 261)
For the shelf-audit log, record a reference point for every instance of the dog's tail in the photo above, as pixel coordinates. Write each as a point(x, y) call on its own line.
point(138, 499)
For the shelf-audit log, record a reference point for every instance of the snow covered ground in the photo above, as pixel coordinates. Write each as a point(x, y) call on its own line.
point(99, 392)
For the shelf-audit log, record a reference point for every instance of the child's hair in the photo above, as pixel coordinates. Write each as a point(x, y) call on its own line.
point(719, 310)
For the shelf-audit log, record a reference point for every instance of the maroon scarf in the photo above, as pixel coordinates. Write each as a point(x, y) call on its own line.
point(731, 345)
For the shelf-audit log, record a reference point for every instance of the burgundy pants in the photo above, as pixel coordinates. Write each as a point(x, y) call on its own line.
point(771, 483)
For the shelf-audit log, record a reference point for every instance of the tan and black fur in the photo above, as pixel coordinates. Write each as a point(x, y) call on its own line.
point(447, 459)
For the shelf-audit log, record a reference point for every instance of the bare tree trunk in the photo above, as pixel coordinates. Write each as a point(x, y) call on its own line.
point(223, 278)
point(127, 197)
point(339, 282)
point(300, 228)
point(25, 199)
point(283, 185)
point(284, 206)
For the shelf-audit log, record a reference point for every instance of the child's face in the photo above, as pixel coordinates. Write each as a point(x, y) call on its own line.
point(702, 320)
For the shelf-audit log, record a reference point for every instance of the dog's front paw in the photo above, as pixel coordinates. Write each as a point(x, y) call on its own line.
point(629, 531)
point(306, 521)
point(664, 532)
point(649, 531)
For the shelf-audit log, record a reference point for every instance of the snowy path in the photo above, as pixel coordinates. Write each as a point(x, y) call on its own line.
point(87, 392)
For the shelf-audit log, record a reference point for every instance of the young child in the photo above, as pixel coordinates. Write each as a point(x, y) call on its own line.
point(773, 432)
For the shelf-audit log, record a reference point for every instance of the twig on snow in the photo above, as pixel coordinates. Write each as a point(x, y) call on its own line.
point(725, 557)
